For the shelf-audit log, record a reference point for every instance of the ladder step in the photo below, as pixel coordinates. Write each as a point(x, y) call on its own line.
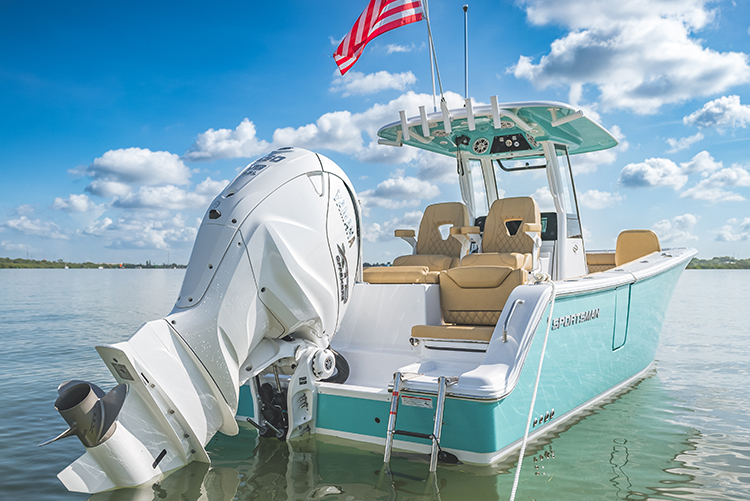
point(443, 383)
point(414, 434)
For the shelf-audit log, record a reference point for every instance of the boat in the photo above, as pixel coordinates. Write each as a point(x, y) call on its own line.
point(498, 327)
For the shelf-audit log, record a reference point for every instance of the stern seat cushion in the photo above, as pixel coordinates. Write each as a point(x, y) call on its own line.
point(477, 295)
point(512, 259)
point(480, 333)
point(400, 275)
point(435, 262)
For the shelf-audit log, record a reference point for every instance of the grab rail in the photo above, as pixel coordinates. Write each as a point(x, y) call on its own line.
point(507, 319)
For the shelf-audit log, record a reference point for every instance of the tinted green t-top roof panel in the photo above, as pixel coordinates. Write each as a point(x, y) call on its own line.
point(507, 130)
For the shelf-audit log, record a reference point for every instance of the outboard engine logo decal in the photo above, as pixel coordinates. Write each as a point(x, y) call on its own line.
point(342, 267)
point(346, 217)
point(257, 167)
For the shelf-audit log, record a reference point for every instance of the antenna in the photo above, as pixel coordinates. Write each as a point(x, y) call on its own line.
point(466, 50)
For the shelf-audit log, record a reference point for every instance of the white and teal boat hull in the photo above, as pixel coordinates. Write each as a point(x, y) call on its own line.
point(604, 334)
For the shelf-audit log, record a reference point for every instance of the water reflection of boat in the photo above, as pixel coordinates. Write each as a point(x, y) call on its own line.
point(611, 452)
point(196, 482)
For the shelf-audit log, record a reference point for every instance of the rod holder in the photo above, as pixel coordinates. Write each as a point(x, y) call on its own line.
point(425, 123)
point(495, 112)
point(470, 114)
point(446, 117)
point(404, 127)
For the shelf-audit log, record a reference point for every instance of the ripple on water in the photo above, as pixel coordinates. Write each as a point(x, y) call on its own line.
point(681, 434)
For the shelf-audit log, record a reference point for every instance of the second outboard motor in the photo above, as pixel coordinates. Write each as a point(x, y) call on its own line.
point(267, 285)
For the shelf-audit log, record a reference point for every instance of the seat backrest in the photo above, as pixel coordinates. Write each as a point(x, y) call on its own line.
point(429, 239)
point(632, 244)
point(513, 213)
point(477, 295)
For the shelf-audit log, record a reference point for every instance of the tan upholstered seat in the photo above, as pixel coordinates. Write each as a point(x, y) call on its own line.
point(499, 246)
point(600, 261)
point(476, 295)
point(634, 244)
point(433, 252)
point(481, 333)
point(434, 262)
point(400, 275)
point(472, 298)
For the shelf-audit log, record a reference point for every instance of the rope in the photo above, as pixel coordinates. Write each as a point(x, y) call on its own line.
point(539, 277)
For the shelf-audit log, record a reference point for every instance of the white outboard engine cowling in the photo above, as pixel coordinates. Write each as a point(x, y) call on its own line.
point(267, 285)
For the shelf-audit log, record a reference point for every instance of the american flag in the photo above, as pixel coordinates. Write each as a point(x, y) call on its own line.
point(379, 16)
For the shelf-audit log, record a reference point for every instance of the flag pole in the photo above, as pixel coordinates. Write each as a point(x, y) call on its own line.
point(466, 51)
point(429, 46)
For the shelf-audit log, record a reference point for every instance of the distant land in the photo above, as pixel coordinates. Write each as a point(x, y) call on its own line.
point(6, 262)
point(717, 263)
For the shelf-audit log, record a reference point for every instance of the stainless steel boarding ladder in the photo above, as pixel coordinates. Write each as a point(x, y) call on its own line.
point(443, 383)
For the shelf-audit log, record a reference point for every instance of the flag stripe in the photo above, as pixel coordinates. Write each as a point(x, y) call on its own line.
point(379, 16)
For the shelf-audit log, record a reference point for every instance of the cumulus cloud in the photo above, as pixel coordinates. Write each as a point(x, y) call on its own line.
point(676, 229)
point(653, 172)
point(25, 210)
point(638, 55)
point(117, 169)
point(658, 172)
point(75, 203)
point(397, 192)
point(683, 143)
point(544, 199)
point(241, 142)
point(595, 199)
point(171, 197)
point(383, 232)
point(14, 247)
point(735, 230)
point(107, 189)
point(36, 227)
point(146, 231)
point(160, 197)
point(702, 163)
point(720, 113)
point(98, 227)
point(356, 83)
point(210, 188)
point(340, 131)
point(392, 47)
point(711, 189)
point(436, 168)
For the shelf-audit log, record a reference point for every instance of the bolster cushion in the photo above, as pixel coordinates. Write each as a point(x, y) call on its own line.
point(400, 275)
point(454, 332)
point(477, 295)
point(435, 262)
point(511, 259)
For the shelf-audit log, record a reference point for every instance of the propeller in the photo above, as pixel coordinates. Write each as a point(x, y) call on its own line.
point(89, 412)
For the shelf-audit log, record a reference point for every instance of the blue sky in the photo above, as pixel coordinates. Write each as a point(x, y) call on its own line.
point(121, 122)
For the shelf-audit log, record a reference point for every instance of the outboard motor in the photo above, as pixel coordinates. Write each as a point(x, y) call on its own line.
point(267, 285)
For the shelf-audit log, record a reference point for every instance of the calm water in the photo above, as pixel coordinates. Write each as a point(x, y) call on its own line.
point(681, 433)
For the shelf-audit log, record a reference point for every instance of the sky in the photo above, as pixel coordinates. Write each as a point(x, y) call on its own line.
point(120, 122)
